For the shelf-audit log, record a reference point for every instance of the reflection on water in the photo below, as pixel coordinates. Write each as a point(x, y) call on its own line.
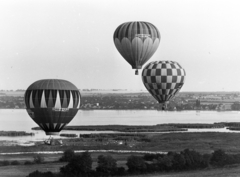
point(18, 120)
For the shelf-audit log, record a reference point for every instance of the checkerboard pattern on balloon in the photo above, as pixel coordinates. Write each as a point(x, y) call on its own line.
point(163, 79)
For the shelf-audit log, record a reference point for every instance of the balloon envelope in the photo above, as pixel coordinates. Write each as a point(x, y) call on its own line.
point(163, 79)
point(136, 42)
point(52, 103)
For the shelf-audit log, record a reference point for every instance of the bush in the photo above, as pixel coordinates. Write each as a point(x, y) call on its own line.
point(165, 163)
point(28, 162)
point(136, 164)
point(206, 160)
point(152, 167)
point(5, 163)
point(67, 156)
point(41, 174)
point(193, 159)
point(178, 162)
point(121, 171)
point(107, 165)
point(15, 162)
point(38, 159)
point(151, 157)
point(218, 158)
point(79, 165)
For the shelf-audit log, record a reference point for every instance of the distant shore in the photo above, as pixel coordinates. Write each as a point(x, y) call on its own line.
point(15, 133)
point(137, 100)
point(138, 109)
point(171, 127)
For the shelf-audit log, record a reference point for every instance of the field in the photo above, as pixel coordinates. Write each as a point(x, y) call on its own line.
point(24, 170)
point(229, 171)
point(49, 164)
point(204, 142)
point(201, 142)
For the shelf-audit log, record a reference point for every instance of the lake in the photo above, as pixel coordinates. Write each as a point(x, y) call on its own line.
point(18, 120)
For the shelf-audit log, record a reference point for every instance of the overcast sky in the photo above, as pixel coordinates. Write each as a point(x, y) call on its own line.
point(73, 40)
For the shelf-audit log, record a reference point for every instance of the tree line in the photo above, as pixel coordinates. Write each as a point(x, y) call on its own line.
point(81, 164)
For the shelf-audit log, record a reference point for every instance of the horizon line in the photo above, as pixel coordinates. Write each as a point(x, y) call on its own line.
point(136, 90)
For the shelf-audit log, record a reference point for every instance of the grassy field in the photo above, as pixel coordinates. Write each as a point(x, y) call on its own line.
point(55, 157)
point(201, 142)
point(230, 171)
point(24, 170)
point(49, 164)
point(204, 142)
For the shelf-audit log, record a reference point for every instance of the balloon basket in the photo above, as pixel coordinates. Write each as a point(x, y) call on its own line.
point(136, 72)
point(164, 107)
point(52, 141)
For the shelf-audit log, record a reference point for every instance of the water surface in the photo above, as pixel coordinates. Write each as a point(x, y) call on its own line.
point(18, 120)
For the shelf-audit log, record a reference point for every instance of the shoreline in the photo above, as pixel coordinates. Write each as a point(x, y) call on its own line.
point(147, 109)
point(80, 151)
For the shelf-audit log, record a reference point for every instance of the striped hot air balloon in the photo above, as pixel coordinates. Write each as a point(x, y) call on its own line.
point(52, 104)
point(163, 80)
point(136, 42)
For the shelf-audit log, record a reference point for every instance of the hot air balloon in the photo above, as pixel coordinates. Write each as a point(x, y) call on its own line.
point(163, 80)
point(52, 104)
point(136, 42)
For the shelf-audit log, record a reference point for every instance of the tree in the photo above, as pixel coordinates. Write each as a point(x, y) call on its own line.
point(194, 160)
point(151, 157)
point(206, 160)
point(218, 157)
point(136, 164)
point(40, 174)
point(28, 162)
point(67, 156)
point(5, 163)
point(106, 165)
point(164, 163)
point(120, 171)
point(178, 162)
point(15, 162)
point(38, 159)
point(79, 165)
point(236, 106)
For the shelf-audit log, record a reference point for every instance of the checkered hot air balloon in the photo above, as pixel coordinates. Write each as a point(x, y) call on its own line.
point(52, 104)
point(163, 79)
point(136, 42)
